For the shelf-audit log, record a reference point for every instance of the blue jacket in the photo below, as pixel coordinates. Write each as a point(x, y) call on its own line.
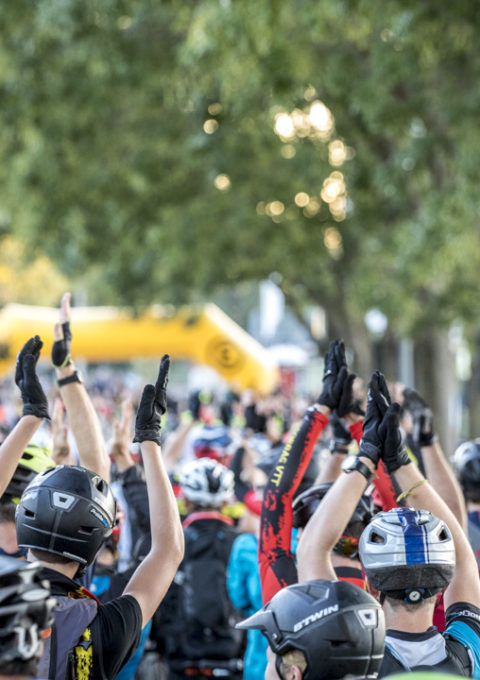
point(243, 583)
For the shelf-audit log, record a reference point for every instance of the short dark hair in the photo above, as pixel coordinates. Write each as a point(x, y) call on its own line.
point(51, 558)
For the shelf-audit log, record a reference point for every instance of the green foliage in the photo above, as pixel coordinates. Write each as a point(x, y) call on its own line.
point(109, 170)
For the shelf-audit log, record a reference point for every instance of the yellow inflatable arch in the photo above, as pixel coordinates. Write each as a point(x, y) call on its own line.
point(204, 334)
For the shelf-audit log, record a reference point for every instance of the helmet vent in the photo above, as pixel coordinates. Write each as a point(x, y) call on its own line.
point(443, 535)
point(86, 530)
point(29, 513)
point(340, 643)
point(376, 538)
point(101, 485)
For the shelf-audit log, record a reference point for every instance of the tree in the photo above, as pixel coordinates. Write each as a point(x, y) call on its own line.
point(167, 149)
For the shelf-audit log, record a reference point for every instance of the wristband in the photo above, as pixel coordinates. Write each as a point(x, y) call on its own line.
point(75, 377)
point(356, 464)
point(336, 446)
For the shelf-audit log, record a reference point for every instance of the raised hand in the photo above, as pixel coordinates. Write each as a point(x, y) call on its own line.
point(33, 397)
point(61, 356)
point(371, 444)
point(335, 375)
point(153, 405)
point(394, 453)
point(423, 432)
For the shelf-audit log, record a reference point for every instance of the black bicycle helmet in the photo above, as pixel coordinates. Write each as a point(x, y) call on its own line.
point(25, 609)
point(305, 505)
point(467, 465)
point(67, 511)
point(35, 459)
point(339, 627)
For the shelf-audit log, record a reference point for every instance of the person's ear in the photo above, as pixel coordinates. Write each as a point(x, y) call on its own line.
point(293, 673)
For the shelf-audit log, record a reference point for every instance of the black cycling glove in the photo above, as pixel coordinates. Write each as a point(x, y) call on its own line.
point(423, 433)
point(371, 442)
point(61, 356)
point(335, 374)
point(33, 397)
point(394, 452)
point(153, 405)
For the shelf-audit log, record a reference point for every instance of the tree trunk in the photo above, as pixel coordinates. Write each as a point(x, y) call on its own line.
point(435, 381)
point(472, 394)
point(357, 339)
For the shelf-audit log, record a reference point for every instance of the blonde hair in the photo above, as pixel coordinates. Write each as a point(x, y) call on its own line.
point(294, 657)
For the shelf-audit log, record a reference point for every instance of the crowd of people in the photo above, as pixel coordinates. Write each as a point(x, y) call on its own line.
point(250, 538)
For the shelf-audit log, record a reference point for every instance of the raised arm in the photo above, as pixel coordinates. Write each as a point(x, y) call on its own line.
point(276, 561)
point(153, 576)
point(331, 517)
point(437, 470)
point(418, 492)
point(465, 585)
point(35, 408)
point(61, 453)
point(338, 447)
point(277, 564)
point(131, 476)
point(82, 417)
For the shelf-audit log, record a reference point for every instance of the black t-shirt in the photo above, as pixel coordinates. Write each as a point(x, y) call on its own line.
point(115, 629)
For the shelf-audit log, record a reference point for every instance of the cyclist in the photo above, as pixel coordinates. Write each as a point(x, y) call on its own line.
point(63, 518)
point(409, 554)
point(321, 630)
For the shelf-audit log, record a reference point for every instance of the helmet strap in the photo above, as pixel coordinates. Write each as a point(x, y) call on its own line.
point(410, 595)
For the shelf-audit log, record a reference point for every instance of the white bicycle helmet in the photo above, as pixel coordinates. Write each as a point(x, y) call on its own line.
point(467, 465)
point(25, 610)
point(408, 554)
point(206, 482)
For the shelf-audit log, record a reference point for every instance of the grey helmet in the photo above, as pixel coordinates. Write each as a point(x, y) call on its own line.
point(339, 627)
point(408, 554)
point(68, 511)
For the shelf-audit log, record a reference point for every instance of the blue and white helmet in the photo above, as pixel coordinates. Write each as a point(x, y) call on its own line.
point(407, 551)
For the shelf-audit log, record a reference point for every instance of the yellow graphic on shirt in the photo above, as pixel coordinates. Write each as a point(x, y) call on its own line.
point(84, 656)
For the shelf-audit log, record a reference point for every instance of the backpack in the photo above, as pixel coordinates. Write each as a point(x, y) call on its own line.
point(69, 656)
point(196, 620)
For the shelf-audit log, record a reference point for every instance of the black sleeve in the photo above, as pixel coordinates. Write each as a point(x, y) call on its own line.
point(464, 612)
point(135, 492)
point(115, 633)
point(236, 466)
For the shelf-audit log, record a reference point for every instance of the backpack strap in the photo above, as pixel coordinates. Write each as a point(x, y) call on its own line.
point(52, 667)
point(71, 635)
point(397, 657)
point(459, 655)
